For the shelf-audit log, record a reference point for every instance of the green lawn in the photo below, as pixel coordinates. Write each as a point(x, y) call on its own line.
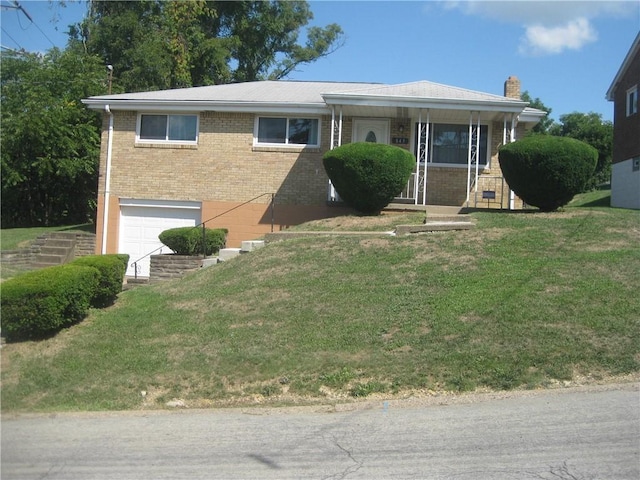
point(525, 300)
point(14, 238)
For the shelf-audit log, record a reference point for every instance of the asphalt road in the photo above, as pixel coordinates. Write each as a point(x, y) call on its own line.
point(588, 433)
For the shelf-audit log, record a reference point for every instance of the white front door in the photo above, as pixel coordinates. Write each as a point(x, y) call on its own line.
point(371, 130)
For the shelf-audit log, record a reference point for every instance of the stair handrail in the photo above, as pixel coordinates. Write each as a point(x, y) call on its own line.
point(203, 225)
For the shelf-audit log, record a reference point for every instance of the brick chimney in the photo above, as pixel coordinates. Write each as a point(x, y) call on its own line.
point(512, 87)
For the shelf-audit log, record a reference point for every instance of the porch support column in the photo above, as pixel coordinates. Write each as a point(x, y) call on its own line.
point(426, 158)
point(512, 138)
point(469, 157)
point(419, 156)
point(473, 153)
point(422, 157)
point(336, 141)
point(477, 154)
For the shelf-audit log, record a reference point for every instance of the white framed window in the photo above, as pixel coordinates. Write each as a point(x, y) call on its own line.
point(296, 131)
point(167, 128)
point(632, 101)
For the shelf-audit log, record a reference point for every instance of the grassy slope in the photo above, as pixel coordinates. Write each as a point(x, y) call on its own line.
point(524, 300)
point(13, 238)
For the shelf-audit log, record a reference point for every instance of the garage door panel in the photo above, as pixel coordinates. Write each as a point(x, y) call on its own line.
point(140, 227)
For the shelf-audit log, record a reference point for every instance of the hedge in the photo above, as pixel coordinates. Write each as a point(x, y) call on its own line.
point(112, 269)
point(547, 171)
point(368, 176)
point(42, 302)
point(188, 240)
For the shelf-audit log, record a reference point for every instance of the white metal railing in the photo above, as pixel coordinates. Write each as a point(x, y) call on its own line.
point(409, 192)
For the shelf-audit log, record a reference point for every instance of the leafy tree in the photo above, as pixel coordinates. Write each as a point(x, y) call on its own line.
point(154, 44)
point(49, 141)
point(591, 129)
point(544, 124)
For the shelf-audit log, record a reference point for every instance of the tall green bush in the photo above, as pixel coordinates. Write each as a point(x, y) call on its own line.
point(188, 240)
point(368, 176)
point(112, 269)
point(42, 302)
point(547, 171)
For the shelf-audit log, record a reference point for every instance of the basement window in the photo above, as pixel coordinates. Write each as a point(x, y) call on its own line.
point(172, 128)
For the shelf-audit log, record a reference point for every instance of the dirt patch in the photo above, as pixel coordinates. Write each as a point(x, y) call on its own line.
point(379, 243)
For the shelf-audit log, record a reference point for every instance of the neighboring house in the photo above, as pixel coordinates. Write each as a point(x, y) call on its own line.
point(625, 168)
point(180, 157)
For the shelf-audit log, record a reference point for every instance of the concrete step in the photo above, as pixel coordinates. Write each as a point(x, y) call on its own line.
point(228, 253)
point(53, 250)
point(448, 218)
point(433, 227)
point(210, 262)
point(50, 259)
point(59, 242)
point(251, 245)
point(63, 235)
point(131, 282)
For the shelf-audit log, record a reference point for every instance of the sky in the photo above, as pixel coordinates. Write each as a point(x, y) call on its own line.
point(566, 53)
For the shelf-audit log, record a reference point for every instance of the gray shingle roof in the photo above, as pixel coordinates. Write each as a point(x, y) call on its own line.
point(354, 98)
point(262, 92)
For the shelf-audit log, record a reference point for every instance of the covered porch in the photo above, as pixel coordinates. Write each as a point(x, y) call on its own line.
point(454, 134)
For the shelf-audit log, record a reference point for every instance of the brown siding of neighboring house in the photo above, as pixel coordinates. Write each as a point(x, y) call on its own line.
point(626, 131)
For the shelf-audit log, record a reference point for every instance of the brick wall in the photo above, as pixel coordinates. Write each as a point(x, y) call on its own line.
point(224, 166)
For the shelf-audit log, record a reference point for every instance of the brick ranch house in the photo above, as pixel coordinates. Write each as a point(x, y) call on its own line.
point(181, 157)
point(625, 165)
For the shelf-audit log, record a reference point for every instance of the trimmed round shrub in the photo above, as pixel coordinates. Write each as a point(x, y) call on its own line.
point(41, 303)
point(111, 268)
point(547, 171)
point(368, 176)
point(188, 240)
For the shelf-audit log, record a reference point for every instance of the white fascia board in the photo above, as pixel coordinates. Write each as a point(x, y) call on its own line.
point(205, 106)
point(515, 106)
point(531, 117)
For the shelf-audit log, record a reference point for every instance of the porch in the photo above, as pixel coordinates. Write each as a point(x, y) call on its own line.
point(453, 133)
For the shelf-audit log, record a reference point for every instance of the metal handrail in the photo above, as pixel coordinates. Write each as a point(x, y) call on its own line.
point(203, 225)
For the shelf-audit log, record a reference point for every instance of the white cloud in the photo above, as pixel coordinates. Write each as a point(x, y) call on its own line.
point(541, 40)
point(551, 27)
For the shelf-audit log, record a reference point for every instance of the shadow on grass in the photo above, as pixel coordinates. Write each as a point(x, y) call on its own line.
point(598, 202)
point(85, 227)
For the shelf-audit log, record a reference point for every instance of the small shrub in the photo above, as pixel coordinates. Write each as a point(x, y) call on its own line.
point(42, 302)
point(547, 171)
point(188, 240)
point(367, 176)
point(111, 268)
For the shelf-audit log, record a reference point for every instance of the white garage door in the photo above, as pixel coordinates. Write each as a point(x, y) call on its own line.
point(141, 221)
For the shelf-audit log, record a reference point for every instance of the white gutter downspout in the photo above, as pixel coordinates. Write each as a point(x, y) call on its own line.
point(107, 181)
